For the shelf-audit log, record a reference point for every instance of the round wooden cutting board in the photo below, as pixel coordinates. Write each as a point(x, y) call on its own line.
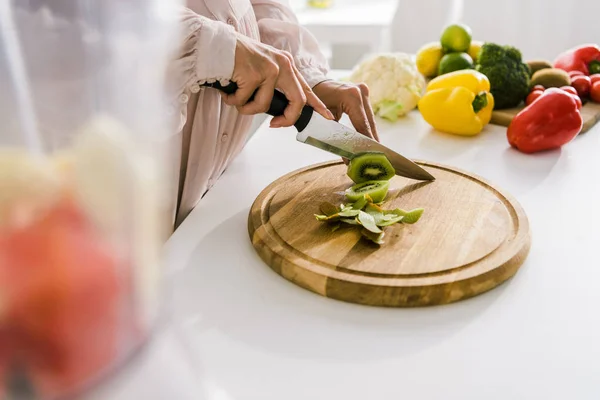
point(471, 237)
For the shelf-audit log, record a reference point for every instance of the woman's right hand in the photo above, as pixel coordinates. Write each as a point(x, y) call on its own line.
point(260, 66)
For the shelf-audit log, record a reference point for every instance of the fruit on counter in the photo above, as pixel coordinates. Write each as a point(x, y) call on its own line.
point(569, 89)
point(377, 190)
point(456, 38)
point(67, 274)
point(320, 3)
point(395, 84)
point(454, 51)
point(550, 122)
point(367, 215)
point(474, 49)
point(61, 305)
point(584, 58)
point(455, 62)
point(551, 77)
point(507, 73)
point(428, 59)
point(595, 92)
point(533, 95)
point(594, 78)
point(538, 65)
point(29, 185)
point(582, 84)
point(459, 103)
point(573, 74)
point(538, 90)
point(370, 166)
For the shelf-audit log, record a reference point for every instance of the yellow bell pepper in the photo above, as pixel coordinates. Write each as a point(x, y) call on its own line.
point(459, 102)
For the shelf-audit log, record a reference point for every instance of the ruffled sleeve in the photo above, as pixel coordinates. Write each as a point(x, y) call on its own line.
point(279, 27)
point(206, 54)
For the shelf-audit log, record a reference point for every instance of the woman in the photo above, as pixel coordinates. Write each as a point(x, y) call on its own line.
point(259, 45)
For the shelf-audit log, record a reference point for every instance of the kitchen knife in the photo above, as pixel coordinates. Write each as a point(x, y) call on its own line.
point(334, 137)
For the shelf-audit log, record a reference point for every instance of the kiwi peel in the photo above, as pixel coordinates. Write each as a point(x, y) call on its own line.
point(371, 166)
point(367, 215)
point(371, 173)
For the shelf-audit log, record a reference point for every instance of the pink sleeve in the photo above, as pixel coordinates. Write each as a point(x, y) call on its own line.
point(279, 28)
point(206, 53)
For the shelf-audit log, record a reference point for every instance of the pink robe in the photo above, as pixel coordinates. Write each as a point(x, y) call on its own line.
point(211, 133)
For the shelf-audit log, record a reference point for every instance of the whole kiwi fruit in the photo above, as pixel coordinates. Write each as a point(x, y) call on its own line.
point(551, 77)
point(538, 65)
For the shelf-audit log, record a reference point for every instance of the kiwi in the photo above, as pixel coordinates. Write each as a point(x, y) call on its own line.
point(551, 77)
point(538, 65)
point(370, 167)
point(377, 190)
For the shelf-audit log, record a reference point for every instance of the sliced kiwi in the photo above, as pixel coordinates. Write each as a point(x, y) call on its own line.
point(370, 167)
point(377, 190)
point(551, 77)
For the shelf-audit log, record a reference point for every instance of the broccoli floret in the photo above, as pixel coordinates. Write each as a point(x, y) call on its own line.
point(508, 74)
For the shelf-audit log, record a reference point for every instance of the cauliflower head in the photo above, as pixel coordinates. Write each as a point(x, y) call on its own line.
point(395, 84)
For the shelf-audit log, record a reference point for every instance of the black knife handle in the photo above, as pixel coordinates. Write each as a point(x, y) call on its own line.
point(277, 107)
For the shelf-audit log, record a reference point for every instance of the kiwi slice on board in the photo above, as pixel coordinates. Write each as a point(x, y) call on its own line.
point(370, 167)
point(377, 190)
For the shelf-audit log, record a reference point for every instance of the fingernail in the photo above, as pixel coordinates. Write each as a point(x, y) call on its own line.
point(274, 125)
point(330, 114)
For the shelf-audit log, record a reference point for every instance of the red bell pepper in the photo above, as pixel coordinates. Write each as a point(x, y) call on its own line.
point(584, 58)
point(549, 122)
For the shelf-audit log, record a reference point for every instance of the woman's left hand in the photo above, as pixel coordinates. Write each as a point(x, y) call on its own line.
point(352, 99)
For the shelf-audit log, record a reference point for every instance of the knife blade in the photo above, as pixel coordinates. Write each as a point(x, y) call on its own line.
point(334, 137)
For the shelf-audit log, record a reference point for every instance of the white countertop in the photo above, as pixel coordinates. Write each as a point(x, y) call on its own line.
point(236, 330)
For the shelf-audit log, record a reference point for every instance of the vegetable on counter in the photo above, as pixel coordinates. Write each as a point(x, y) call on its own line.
point(584, 58)
point(459, 103)
point(572, 90)
point(507, 73)
point(395, 84)
point(550, 122)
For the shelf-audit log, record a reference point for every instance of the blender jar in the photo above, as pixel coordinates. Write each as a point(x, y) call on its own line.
point(85, 201)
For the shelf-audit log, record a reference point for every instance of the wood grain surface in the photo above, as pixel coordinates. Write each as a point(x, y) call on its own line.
point(590, 113)
point(470, 238)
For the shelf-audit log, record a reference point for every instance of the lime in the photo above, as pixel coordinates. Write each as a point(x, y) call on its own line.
point(428, 59)
point(456, 38)
point(454, 62)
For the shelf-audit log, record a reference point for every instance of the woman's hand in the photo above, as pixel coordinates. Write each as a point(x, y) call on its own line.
point(260, 66)
point(348, 98)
